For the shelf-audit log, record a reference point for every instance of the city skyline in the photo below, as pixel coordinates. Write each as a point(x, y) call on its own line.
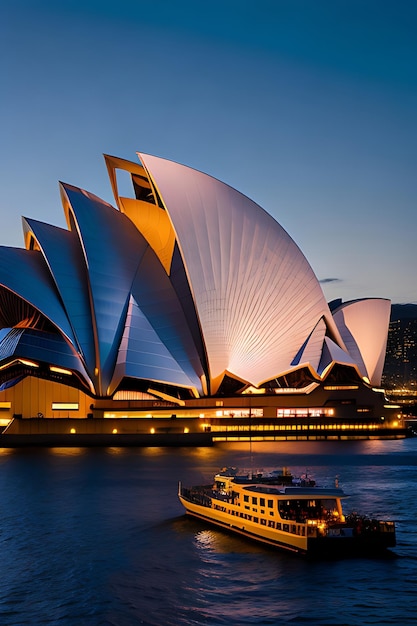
point(308, 109)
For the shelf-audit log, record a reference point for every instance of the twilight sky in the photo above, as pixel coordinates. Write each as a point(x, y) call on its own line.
point(309, 107)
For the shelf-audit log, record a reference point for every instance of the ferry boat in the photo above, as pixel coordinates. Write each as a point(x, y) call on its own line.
point(291, 514)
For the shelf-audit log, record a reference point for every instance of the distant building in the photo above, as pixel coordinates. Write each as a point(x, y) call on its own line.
point(400, 368)
point(187, 299)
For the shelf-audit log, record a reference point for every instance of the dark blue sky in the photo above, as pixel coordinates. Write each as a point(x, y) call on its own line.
point(306, 106)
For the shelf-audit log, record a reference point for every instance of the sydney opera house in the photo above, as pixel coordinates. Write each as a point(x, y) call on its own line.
point(184, 301)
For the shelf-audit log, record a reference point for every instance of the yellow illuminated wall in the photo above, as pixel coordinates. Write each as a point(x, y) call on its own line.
point(34, 395)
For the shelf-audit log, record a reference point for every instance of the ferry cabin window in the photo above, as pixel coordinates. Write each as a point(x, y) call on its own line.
point(254, 500)
point(270, 504)
point(302, 510)
point(262, 501)
point(246, 498)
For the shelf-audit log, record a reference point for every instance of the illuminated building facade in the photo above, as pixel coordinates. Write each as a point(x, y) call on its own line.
point(400, 370)
point(185, 298)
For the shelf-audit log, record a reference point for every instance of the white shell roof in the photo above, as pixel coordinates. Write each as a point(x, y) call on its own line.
point(256, 296)
point(363, 325)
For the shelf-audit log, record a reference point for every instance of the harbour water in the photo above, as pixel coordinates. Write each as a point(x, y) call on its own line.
point(98, 537)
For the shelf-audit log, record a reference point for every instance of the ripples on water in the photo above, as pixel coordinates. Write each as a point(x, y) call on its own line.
point(98, 537)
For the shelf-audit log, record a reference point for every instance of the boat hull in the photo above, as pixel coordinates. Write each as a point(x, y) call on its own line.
point(357, 546)
point(339, 545)
point(299, 545)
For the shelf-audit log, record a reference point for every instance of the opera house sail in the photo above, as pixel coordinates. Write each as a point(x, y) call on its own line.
point(184, 296)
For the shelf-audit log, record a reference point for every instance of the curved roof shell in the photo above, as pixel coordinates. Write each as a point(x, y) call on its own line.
point(186, 284)
point(256, 296)
point(363, 325)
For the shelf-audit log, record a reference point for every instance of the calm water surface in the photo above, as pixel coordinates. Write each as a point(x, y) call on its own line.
point(98, 537)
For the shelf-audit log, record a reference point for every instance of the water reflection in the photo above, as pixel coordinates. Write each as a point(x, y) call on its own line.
point(98, 536)
point(117, 451)
point(6, 451)
point(211, 541)
point(71, 451)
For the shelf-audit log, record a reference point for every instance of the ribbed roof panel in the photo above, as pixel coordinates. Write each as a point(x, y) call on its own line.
point(332, 353)
point(256, 295)
point(363, 325)
point(143, 355)
point(113, 248)
point(50, 348)
point(25, 273)
point(63, 254)
point(311, 352)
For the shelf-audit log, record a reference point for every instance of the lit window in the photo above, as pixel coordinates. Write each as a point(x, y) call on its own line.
point(60, 370)
point(65, 406)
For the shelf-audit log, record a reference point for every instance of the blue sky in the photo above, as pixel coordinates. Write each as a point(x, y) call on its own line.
point(309, 107)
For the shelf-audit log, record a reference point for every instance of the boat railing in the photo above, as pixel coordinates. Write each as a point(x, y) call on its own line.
point(363, 525)
point(198, 495)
